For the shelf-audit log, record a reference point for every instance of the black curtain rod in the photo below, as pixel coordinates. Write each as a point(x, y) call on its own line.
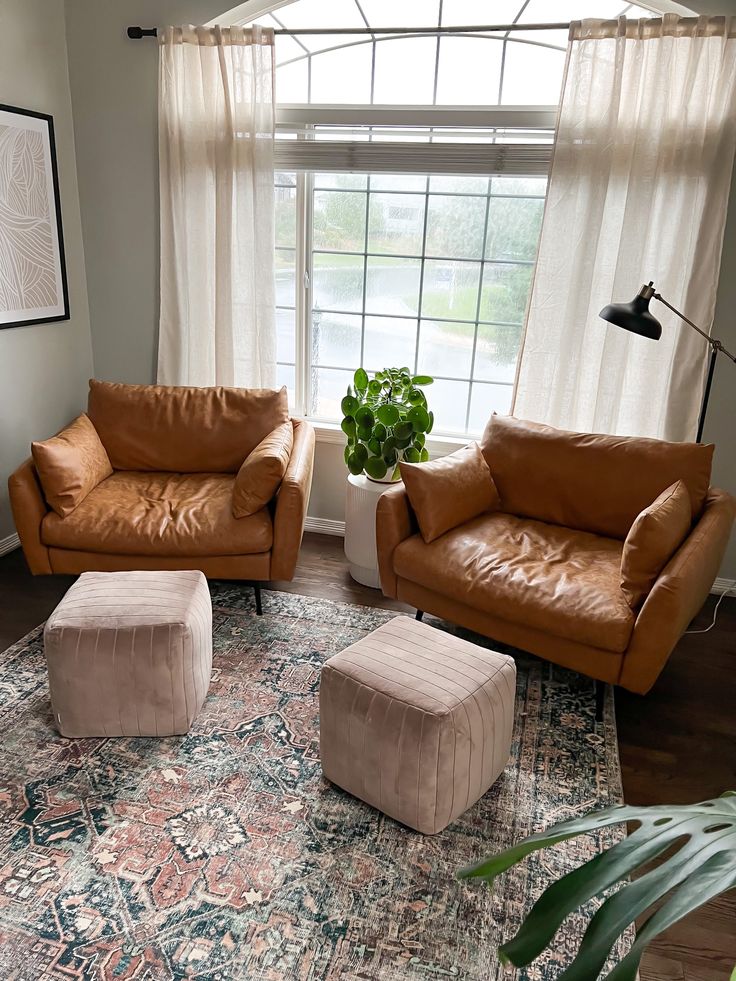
point(136, 33)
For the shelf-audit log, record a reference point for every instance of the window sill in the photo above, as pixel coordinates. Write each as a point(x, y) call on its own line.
point(330, 432)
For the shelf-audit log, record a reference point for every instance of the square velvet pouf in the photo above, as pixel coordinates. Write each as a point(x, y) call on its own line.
point(416, 722)
point(130, 653)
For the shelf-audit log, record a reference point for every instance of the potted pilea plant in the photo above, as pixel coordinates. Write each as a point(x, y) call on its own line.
point(386, 420)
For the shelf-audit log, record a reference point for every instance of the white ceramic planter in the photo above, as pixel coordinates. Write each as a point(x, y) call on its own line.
point(360, 528)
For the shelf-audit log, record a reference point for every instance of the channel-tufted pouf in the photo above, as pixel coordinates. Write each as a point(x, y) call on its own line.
point(130, 653)
point(416, 722)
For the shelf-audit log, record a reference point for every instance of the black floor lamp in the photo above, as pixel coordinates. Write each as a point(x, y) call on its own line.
point(635, 316)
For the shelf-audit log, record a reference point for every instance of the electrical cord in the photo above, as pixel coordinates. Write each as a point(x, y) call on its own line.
point(726, 592)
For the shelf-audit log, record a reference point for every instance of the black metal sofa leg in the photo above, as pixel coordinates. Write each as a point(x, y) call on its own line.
point(259, 605)
point(419, 614)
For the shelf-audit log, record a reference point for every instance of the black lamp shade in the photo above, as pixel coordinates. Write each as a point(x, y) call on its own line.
point(634, 316)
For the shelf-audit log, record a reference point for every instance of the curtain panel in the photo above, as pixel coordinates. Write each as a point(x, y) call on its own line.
point(216, 136)
point(638, 191)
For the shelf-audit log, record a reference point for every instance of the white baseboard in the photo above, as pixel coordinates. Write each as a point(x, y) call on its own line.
point(324, 526)
point(8, 544)
point(721, 585)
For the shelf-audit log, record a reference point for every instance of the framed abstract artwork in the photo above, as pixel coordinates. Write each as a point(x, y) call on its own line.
point(33, 285)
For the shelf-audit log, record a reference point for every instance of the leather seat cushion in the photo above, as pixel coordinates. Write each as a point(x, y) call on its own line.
point(136, 513)
point(563, 582)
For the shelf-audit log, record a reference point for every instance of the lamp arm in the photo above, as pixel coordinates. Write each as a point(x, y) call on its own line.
point(716, 345)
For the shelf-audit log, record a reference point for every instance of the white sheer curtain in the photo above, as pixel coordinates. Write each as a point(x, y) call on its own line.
point(216, 127)
point(638, 191)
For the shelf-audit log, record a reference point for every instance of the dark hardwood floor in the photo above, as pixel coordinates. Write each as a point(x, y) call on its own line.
point(677, 744)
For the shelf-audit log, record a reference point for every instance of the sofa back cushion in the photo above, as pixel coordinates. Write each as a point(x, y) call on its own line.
point(587, 481)
point(183, 430)
point(70, 465)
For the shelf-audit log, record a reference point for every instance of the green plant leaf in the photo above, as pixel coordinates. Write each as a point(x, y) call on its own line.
point(348, 426)
point(349, 405)
point(419, 440)
point(431, 422)
point(346, 453)
point(355, 466)
point(387, 414)
point(390, 456)
point(419, 419)
point(360, 453)
point(700, 842)
point(365, 433)
point(422, 380)
point(374, 445)
point(380, 431)
point(375, 466)
point(415, 396)
point(424, 456)
point(360, 380)
point(412, 455)
point(402, 431)
point(374, 386)
point(364, 417)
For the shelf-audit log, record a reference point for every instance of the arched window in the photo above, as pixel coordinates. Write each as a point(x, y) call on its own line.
point(410, 189)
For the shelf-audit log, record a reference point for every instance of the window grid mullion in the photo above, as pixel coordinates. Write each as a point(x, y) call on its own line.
point(365, 267)
point(478, 306)
point(421, 276)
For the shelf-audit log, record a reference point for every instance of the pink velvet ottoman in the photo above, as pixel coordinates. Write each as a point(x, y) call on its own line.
point(130, 653)
point(416, 722)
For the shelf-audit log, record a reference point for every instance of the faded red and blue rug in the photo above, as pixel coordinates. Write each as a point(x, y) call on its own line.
point(225, 855)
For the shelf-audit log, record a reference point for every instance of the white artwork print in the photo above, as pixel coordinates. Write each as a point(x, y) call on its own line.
point(32, 286)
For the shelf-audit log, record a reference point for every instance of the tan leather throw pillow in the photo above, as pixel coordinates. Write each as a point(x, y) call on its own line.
point(262, 471)
point(448, 492)
point(655, 536)
point(70, 465)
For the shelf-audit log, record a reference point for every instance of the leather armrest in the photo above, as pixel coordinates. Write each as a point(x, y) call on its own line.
point(29, 509)
point(395, 522)
point(678, 594)
point(292, 500)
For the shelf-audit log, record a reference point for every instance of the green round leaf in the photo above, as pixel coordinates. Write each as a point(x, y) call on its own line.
point(431, 422)
point(348, 426)
point(380, 431)
point(360, 453)
point(360, 380)
point(346, 453)
point(364, 417)
point(403, 443)
point(374, 387)
point(349, 405)
point(390, 456)
point(355, 466)
point(424, 455)
point(412, 455)
point(422, 380)
point(419, 418)
point(374, 445)
point(389, 443)
point(403, 430)
point(365, 433)
point(376, 467)
point(387, 414)
point(415, 396)
point(419, 440)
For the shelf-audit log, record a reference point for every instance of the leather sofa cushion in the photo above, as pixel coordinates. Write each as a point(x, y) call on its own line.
point(70, 465)
point(586, 481)
point(183, 430)
point(447, 492)
point(262, 471)
point(654, 538)
point(563, 582)
point(134, 513)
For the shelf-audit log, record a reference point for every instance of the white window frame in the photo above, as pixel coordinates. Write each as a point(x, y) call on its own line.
point(300, 120)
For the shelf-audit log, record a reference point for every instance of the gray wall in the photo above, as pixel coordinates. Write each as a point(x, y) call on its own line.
point(114, 94)
point(43, 368)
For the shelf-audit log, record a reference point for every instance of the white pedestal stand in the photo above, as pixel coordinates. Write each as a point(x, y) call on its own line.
point(360, 528)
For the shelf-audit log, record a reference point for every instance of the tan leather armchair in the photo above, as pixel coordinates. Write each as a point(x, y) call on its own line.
point(175, 454)
point(543, 573)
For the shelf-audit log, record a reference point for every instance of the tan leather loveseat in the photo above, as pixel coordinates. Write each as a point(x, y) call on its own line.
point(543, 572)
point(175, 453)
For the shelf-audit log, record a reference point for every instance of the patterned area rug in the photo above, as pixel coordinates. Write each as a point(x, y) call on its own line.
point(225, 855)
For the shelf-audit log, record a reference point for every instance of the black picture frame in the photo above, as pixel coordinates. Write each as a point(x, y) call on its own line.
point(58, 255)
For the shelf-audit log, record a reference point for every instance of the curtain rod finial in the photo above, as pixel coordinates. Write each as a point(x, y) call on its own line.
point(136, 33)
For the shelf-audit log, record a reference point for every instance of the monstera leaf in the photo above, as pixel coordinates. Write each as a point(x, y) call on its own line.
point(702, 866)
